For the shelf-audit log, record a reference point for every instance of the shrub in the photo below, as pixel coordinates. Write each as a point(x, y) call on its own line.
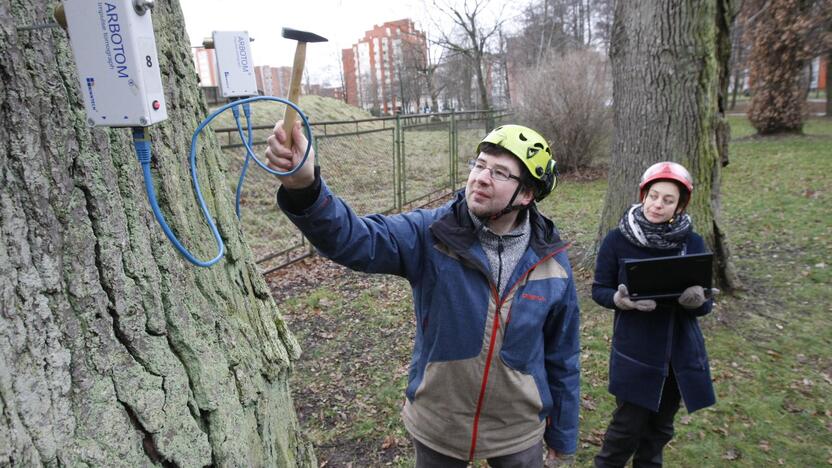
point(567, 98)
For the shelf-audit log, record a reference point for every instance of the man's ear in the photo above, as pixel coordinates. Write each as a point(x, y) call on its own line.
point(525, 197)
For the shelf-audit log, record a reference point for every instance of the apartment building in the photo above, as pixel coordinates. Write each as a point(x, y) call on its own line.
point(380, 69)
point(205, 61)
point(273, 81)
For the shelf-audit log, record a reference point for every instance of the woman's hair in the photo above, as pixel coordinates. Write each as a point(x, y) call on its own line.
point(684, 194)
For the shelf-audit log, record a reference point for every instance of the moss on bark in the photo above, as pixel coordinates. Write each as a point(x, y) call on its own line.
point(115, 351)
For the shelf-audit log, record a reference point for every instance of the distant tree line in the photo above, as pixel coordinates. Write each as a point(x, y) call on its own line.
point(538, 58)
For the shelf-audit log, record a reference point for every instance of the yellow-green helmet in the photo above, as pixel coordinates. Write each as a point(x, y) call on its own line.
point(530, 148)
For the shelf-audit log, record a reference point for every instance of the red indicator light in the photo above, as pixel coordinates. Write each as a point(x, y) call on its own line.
point(156, 105)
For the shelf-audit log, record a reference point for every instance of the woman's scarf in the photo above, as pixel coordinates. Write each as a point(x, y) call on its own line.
point(669, 235)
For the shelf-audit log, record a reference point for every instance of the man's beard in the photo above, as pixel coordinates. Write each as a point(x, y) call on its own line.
point(482, 210)
point(484, 213)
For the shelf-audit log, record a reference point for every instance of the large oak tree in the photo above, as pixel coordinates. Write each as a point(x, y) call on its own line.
point(669, 68)
point(114, 351)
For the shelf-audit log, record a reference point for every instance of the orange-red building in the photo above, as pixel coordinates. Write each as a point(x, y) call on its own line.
point(373, 65)
point(205, 61)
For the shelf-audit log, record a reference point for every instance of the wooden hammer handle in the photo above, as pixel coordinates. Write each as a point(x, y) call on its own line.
point(290, 116)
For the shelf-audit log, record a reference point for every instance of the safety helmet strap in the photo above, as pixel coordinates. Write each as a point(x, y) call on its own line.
point(511, 206)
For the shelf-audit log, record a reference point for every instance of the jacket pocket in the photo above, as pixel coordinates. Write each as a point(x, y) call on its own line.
point(635, 381)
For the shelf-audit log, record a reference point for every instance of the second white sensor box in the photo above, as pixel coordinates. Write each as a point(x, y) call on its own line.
point(235, 68)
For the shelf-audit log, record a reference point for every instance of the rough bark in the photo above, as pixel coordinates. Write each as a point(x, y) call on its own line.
point(669, 68)
point(114, 351)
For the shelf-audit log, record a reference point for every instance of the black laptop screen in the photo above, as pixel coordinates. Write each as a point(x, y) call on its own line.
point(667, 277)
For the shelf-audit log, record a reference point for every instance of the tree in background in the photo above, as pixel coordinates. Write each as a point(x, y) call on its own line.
point(473, 38)
point(553, 59)
point(410, 74)
point(114, 351)
point(428, 71)
point(502, 60)
point(561, 25)
point(669, 71)
point(544, 25)
point(739, 54)
point(602, 14)
point(456, 78)
point(779, 54)
point(542, 29)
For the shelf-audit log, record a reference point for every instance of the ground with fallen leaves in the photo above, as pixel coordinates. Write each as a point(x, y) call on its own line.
point(770, 344)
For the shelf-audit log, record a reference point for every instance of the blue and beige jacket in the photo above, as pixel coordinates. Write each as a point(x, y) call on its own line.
point(489, 375)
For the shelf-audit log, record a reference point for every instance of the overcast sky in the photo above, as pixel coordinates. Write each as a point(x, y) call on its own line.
point(343, 22)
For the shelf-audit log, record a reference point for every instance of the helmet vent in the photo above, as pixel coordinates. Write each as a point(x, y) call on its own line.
point(523, 137)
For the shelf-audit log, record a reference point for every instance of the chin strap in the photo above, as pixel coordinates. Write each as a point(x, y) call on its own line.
point(510, 207)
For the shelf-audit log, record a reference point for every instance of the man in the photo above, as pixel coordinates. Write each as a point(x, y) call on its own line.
point(495, 360)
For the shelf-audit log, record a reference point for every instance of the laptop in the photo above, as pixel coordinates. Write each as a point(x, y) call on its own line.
point(667, 277)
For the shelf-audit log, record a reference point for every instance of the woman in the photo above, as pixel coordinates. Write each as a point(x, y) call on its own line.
point(658, 353)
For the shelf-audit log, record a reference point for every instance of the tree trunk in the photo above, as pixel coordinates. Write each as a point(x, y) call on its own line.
point(828, 88)
point(669, 64)
point(737, 62)
point(464, 88)
point(114, 351)
point(735, 90)
point(479, 64)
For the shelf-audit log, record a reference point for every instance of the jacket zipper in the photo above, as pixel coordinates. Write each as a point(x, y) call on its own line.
point(494, 328)
point(499, 263)
point(481, 397)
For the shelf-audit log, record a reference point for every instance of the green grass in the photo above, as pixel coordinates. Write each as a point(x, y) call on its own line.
point(770, 345)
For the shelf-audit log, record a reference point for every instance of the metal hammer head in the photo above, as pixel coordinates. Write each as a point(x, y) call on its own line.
point(301, 36)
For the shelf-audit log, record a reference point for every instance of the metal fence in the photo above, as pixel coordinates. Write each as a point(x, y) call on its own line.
point(379, 165)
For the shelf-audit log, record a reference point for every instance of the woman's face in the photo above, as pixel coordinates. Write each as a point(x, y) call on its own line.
point(660, 202)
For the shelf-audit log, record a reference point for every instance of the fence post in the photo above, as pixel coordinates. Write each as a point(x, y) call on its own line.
point(402, 161)
point(489, 120)
point(453, 151)
point(397, 164)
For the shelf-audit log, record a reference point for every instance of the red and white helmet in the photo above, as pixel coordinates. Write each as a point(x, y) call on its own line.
point(667, 170)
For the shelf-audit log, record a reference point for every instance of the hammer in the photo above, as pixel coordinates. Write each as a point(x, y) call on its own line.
point(302, 37)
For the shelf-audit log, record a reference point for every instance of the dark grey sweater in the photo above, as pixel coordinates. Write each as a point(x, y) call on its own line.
point(503, 251)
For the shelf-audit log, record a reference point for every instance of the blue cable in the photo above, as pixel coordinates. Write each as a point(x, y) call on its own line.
point(247, 142)
point(238, 194)
point(143, 153)
point(248, 147)
point(142, 145)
